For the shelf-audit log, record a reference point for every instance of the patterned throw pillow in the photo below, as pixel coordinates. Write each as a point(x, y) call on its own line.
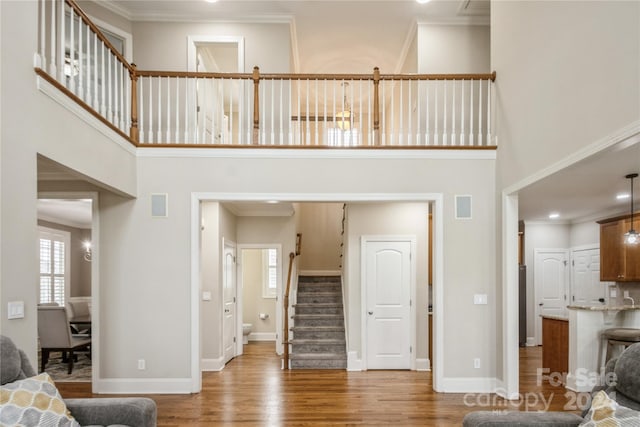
point(34, 402)
point(607, 412)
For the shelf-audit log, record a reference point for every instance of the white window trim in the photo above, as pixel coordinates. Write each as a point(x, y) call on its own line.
point(65, 237)
point(127, 37)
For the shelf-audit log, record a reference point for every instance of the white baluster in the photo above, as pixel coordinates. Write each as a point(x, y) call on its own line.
point(151, 139)
point(72, 52)
point(471, 113)
point(168, 126)
point(480, 112)
point(418, 108)
point(453, 113)
point(141, 121)
point(444, 121)
point(103, 105)
point(489, 141)
point(187, 125)
point(159, 128)
point(80, 57)
point(53, 61)
point(43, 56)
point(88, 92)
point(109, 84)
point(317, 140)
point(383, 106)
point(272, 83)
point(229, 130)
point(96, 101)
point(115, 91)
point(428, 123)
point(410, 114)
point(177, 118)
point(325, 101)
point(61, 43)
point(435, 108)
point(359, 128)
point(462, 108)
point(281, 112)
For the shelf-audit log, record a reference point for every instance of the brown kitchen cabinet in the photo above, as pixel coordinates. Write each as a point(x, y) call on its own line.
point(555, 345)
point(619, 262)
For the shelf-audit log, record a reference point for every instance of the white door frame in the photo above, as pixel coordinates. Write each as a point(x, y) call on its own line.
point(364, 240)
point(95, 275)
point(240, 293)
point(437, 199)
point(193, 41)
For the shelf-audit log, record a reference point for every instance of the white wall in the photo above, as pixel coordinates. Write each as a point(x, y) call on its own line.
point(456, 49)
point(320, 225)
point(567, 76)
point(407, 219)
point(584, 233)
point(266, 45)
point(83, 149)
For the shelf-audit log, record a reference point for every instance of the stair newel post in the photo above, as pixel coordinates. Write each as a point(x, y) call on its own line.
point(285, 335)
point(134, 132)
point(256, 105)
point(376, 106)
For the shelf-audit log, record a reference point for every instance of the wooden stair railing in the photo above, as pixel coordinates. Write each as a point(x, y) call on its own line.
point(285, 337)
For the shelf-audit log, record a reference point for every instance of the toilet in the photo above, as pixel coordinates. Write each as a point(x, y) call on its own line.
point(246, 330)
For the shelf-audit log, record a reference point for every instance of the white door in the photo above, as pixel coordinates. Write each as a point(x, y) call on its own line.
point(550, 283)
point(229, 300)
point(388, 304)
point(586, 288)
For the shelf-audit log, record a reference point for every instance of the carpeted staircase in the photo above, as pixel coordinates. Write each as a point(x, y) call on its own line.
point(318, 335)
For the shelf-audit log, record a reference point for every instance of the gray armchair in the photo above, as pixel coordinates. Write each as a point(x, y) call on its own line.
point(125, 411)
point(625, 390)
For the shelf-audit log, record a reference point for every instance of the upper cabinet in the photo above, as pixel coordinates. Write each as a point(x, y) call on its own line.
point(619, 262)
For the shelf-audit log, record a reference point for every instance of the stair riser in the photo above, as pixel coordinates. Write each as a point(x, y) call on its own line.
point(319, 299)
point(312, 335)
point(319, 310)
point(318, 364)
point(319, 348)
point(319, 279)
point(332, 321)
point(309, 287)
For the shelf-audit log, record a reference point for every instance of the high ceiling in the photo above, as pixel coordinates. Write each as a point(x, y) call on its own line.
point(344, 36)
point(353, 36)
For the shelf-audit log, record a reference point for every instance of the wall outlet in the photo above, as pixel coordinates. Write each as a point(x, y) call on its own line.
point(142, 365)
point(626, 294)
point(476, 363)
point(613, 293)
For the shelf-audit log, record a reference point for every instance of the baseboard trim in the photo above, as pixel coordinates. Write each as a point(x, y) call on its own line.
point(143, 386)
point(423, 365)
point(215, 365)
point(531, 341)
point(262, 336)
point(319, 273)
point(470, 385)
point(353, 363)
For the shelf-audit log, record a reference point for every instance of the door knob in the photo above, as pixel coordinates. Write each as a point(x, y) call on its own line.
point(370, 313)
point(226, 310)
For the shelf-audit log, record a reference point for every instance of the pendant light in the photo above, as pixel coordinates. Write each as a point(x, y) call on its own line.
point(631, 237)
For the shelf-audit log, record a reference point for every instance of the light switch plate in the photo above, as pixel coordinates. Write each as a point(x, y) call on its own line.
point(480, 299)
point(206, 296)
point(15, 310)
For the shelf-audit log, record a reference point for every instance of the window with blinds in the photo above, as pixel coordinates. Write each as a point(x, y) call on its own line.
point(270, 275)
point(54, 262)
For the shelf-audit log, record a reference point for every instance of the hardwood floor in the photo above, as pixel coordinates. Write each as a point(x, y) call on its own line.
point(252, 390)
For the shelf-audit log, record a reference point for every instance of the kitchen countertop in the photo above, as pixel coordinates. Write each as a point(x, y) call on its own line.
point(604, 307)
point(554, 317)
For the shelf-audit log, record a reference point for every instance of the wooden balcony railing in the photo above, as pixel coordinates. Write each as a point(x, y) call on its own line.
point(187, 109)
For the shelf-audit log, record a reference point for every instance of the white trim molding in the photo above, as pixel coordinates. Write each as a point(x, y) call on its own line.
point(319, 273)
point(423, 364)
point(214, 365)
point(353, 363)
point(262, 336)
point(143, 386)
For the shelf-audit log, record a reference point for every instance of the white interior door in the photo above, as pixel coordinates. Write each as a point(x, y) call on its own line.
point(550, 283)
point(387, 278)
point(229, 300)
point(586, 288)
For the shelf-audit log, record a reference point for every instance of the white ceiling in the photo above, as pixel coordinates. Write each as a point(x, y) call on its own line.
point(70, 212)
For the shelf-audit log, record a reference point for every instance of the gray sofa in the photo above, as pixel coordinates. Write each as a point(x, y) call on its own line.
point(123, 411)
point(624, 388)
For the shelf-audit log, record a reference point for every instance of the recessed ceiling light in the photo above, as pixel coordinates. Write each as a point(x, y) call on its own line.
point(423, 1)
point(272, 202)
point(554, 215)
point(622, 196)
point(211, 1)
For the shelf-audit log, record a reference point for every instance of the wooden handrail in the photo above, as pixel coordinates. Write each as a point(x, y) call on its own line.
point(98, 33)
point(285, 337)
